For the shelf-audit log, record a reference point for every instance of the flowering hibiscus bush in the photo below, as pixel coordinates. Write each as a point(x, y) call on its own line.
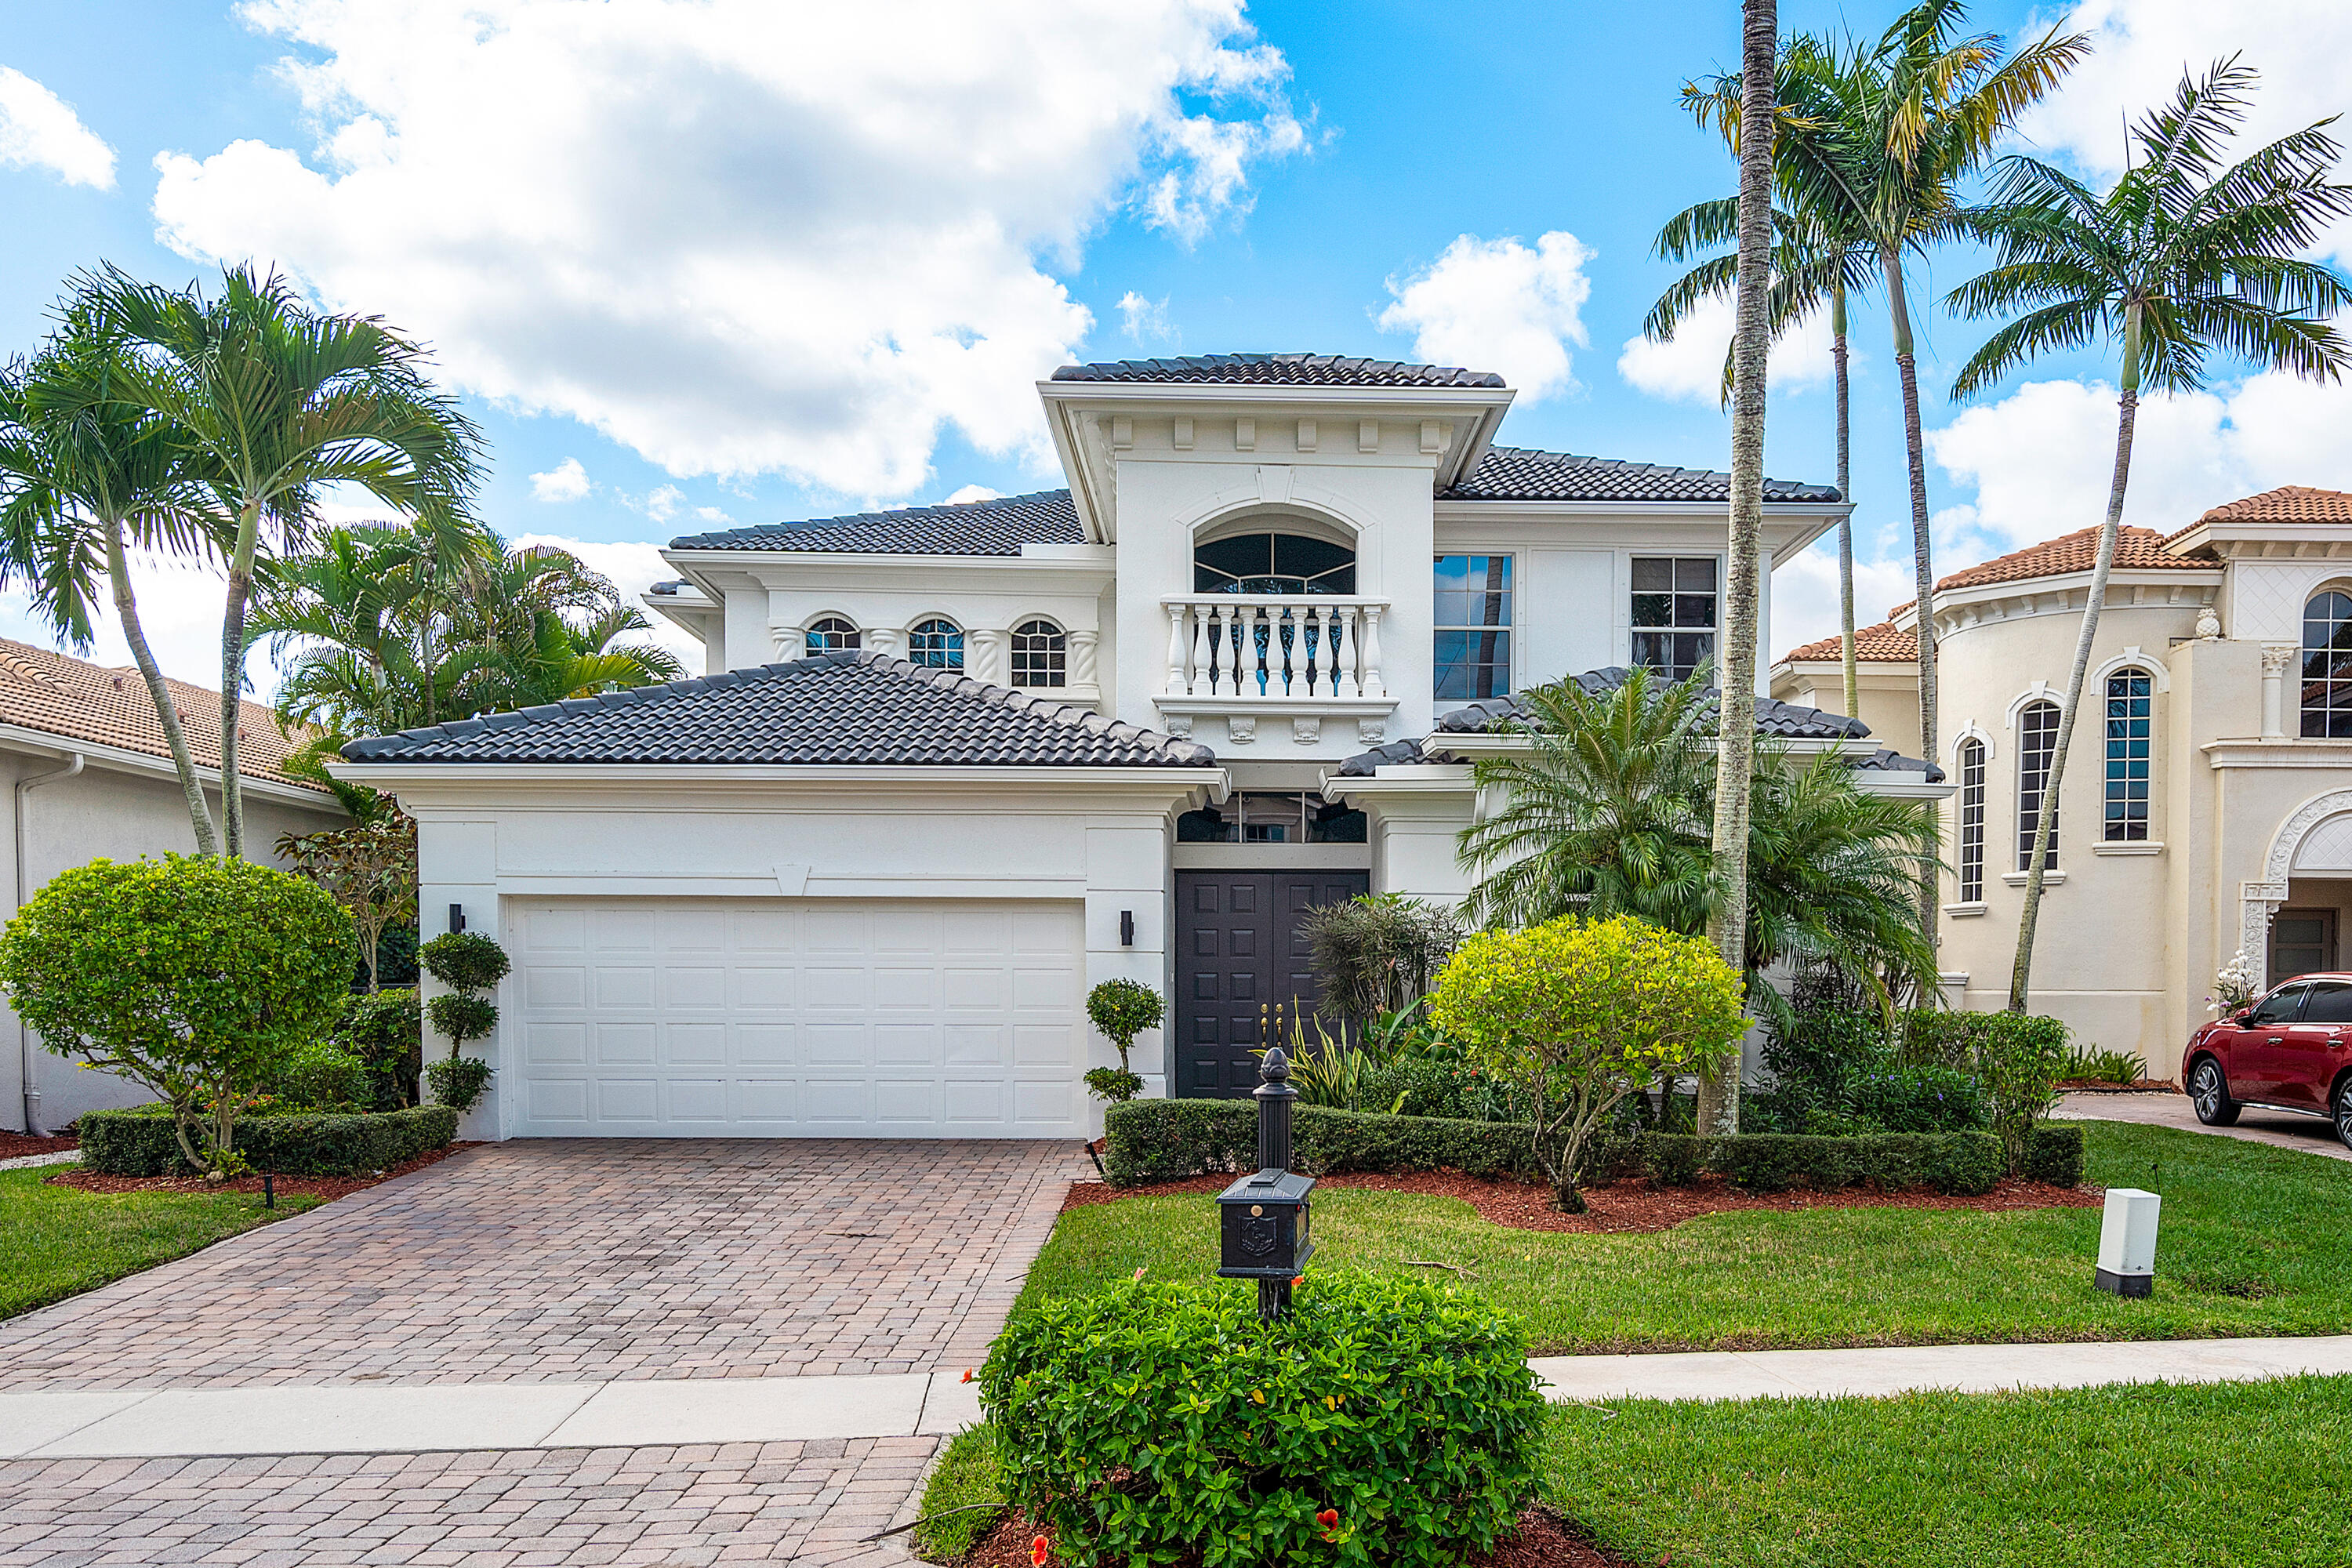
point(1377, 1422)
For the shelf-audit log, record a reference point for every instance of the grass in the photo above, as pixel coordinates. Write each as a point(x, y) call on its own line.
point(2252, 1243)
point(2250, 1475)
point(966, 1475)
point(56, 1241)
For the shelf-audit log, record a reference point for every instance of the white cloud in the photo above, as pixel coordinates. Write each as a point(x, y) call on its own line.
point(1498, 305)
point(565, 481)
point(39, 130)
point(1688, 368)
point(1805, 595)
point(2142, 46)
point(970, 493)
point(633, 568)
point(740, 237)
point(1145, 320)
point(661, 503)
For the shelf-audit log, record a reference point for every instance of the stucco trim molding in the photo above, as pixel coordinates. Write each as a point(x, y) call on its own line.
point(2258, 901)
point(2130, 659)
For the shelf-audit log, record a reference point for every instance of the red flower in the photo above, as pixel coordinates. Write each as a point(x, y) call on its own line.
point(967, 1375)
point(1039, 1551)
point(1297, 1281)
point(1329, 1520)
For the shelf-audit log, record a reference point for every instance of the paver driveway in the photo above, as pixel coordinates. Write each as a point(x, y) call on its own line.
point(580, 1261)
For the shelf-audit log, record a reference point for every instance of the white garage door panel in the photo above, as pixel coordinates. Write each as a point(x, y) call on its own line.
point(774, 1017)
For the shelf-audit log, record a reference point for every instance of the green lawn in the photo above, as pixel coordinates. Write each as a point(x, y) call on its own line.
point(55, 1241)
point(2249, 1475)
point(2253, 1242)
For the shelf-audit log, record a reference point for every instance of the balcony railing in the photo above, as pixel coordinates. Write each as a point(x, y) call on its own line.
point(1305, 647)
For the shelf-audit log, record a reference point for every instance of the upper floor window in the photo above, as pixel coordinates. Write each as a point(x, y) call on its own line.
point(1675, 613)
point(833, 635)
point(1273, 563)
point(2328, 666)
point(2037, 742)
point(1972, 821)
point(1474, 627)
point(2129, 704)
point(1040, 655)
point(936, 645)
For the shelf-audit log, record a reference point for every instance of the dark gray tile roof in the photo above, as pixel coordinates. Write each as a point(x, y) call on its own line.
point(1281, 369)
point(1887, 760)
point(842, 708)
point(1000, 526)
point(1773, 717)
point(1521, 473)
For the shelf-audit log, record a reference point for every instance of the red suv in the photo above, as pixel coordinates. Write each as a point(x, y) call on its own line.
point(2291, 1050)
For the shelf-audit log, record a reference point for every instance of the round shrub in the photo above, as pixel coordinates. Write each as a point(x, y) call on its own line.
point(462, 1018)
point(465, 959)
point(1152, 1421)
point(385, 1030)
point(457, 1081)
point(1123, 1009)
point(318, 1075)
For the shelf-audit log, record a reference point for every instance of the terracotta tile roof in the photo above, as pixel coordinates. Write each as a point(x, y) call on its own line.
point(2288, 503)
point(1881, 644)
point(2136, 549)
point(81, 702)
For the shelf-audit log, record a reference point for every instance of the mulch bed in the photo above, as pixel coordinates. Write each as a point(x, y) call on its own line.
point(2108, 1085)
point(1544, 1541)
point(328, 1187)
point(15, 1145)
point(1627, 1206)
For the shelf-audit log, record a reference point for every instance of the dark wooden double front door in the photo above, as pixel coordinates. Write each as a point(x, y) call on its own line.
point(1239, 951)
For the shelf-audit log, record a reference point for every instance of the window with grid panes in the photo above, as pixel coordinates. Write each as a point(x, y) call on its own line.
point(833, 635)
point(1675, 606)
point(2328, 667)
point(1474, 627)
point(1972, 821)
point(1040, 655)
point(2037, 743)
point(936, 645)
point(2129, 705)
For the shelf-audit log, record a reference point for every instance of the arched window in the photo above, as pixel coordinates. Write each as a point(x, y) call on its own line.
point(2328, 666)
point(936, 645)
point(1040, 655)
point(833, 635)
point(2037, 741)
point(2129, 724)
point(1972, 821)
point(1273, 563)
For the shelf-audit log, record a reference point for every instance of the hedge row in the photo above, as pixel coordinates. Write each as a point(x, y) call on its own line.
point(1167, 1140)
point(141, 1143)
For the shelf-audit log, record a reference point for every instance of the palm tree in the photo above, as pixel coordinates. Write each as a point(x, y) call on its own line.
point(1883, 136)
point(83, 477)
point(2183, 256)
point(277, 401)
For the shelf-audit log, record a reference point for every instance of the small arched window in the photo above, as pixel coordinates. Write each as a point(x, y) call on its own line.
point(1040, 655)
point(2037, 743)
point(2130, 723)
point(2328, 666)
point(1972, 821)
point(936, 645)
point(833, 634)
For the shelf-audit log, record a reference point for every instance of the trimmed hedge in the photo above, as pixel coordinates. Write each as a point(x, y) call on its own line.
point(141, 1143)
point(1168, 1139)
point(2053, 1154)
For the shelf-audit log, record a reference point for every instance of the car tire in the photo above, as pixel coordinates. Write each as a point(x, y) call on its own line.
point(2208, 1095)
point(2342, 1107)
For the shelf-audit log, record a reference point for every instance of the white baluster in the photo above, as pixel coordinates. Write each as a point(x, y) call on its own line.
point(1373, 685)
point(1218, 649)
point(1344, 681)
point(1180, 682)
point(1253, 681)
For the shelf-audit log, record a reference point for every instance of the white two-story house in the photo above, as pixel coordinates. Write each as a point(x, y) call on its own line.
point(952, 766)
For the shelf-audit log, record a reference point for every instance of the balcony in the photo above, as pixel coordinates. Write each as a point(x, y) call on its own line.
point(1303, 658)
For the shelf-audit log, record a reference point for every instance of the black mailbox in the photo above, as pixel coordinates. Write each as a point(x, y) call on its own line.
point(1263, 1226)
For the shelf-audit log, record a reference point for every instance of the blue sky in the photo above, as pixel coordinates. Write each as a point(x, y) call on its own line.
point(762, 261)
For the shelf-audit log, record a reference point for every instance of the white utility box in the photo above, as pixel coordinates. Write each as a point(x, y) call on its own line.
point(2127, 1242)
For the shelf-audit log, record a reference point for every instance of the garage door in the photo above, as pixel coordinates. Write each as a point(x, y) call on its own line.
point(797, 1017)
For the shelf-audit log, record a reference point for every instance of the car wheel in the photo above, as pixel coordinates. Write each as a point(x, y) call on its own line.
point(2343, 1108)
point(2209, 1092)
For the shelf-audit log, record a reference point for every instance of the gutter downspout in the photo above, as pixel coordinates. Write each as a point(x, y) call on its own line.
point(27, 1056)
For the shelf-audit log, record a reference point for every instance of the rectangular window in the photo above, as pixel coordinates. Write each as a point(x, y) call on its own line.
point(1675, 613)
point(2037, 743)
point(1972, 821)
point(2128, 705)
point(1474, 627)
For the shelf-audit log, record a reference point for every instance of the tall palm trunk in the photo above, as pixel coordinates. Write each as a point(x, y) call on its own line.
point(1735, 756)
point(1845, 522)
point(240, 589)
point(2127, 419)
point(126, 608)
point(1922, 563)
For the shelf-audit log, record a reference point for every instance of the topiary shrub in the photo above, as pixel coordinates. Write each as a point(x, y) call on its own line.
point(471, 962)
point(465, 960)
point(2053, 1154)
point(141, 1142)
point(457, 1081)
point(1121, 1009)
point(1376, 1422)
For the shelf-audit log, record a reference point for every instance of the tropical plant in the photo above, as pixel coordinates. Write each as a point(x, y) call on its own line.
point(370, 869)
point(2185, 255)
point(275, 400)
point(85, 477)
point(192, 976)
point(1583, 1013)
point(1876, 140)
point(1375, 954)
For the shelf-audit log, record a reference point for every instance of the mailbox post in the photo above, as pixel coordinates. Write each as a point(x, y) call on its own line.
point(1262, 1217)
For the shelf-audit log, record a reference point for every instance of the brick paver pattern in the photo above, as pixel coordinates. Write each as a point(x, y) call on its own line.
point(811, 1503)
point(584, 1261)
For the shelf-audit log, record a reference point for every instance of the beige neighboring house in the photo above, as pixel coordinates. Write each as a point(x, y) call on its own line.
point(82, 751)
point(2207, 808)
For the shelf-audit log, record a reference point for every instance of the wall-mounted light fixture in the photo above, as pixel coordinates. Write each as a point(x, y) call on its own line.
point(456, 917)
point(1127, 928)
